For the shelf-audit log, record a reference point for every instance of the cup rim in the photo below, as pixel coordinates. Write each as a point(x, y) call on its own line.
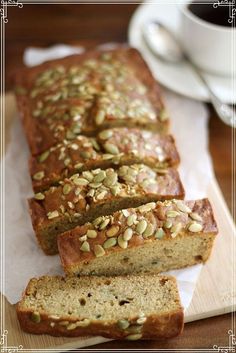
point(183, 8)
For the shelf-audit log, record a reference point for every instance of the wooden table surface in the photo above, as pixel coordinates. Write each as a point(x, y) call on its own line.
point(45, 25)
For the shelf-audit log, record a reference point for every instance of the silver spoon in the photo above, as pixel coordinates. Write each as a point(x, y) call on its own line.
point(164, 45)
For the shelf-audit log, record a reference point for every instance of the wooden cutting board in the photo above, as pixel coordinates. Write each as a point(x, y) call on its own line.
point(213, 294)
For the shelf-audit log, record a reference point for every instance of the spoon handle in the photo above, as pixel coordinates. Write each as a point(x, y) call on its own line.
point(224, 111)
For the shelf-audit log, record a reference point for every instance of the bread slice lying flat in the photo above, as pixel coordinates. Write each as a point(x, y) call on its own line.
point(126, 307)
point(155, 237)
point(90, 194)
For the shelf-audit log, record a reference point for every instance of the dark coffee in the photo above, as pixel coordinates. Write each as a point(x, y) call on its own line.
point(218, 15)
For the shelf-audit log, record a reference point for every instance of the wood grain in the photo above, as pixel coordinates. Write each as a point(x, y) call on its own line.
point(43, 25)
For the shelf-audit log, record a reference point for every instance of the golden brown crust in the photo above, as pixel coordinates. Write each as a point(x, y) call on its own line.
point(163, 221)
point(86, 196)
point(111, 148)
point(53, 108)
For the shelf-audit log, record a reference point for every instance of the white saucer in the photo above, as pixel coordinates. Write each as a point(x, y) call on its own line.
point(177, 77)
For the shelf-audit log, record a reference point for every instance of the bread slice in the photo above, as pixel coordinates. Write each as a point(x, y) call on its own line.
point(155, 237)
point(112, 148)
point(132, 307)
point(88, 93)
point(84, 197)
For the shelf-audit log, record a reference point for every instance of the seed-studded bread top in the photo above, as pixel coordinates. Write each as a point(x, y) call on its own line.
point(134, 227)
point(86, 93)
point(112, 147)
point(77, 194)
point(97, 299)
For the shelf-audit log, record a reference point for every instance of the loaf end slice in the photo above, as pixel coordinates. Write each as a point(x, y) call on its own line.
point(126, 307)
point(155, 237)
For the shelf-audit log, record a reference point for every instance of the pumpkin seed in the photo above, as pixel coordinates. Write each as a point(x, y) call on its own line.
point(122, 243)
point(123, 324)
point(149, 230)
point(97, 221)
point(98, 250)
point(91, 233)
point(159, 233)
point(100, 117)
point(43, 156)
point(168, 224)
point(101, 195)
point(141, 320)
point(38, 175)
point(106, 134)
point(78, 165)
point(99, 177)
point(195, 216)
point(133, 337)
point(128, 234)
point(176, 228)
point(80, 181)
point(95, 185)
point(182, 207)
point(39, 196)
point(172, 214)
point(115, 190)
point(110, 179)
point(195, 227)
point(83, 323)
point(85, 154)
point(104, 223)
point(85, 247)
point(112, 231)
point(110, 243)
point(88, 175)
point(83, 238)
point(66, 189)
point(135, 329)
point(131, 219)
point(35, 317)
point(52, 214)
point(110, 148)
point(71, 326)
point(148, 207)
point(141, 226)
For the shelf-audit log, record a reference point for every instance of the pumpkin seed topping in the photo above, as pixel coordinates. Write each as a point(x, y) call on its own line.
point(141, 320)
point(100, 117)
point(195, 227)
point(52, 214)
point(128, 234)
point(133, 337)
point(39, 196)
point(110, 243)
point(105, 134)
point(159, 233)
point(141, 226)
point(113, 230)
point(43, 156)
point(39, 175)
point(66, 189)
point(149, 230)
point(71, 326)
point(80, 181)
point(175, 229)
point(85, 247)
point(122, 243)
point(83, 323)
point(99, 177)
point(91, 233)
point(104, 224)
point(35, 317)
point(147, 207)
point(172, 214)
point(131, 219)
point(110, 148)
point(195, 216)
point(168, 224)
point(123, 324)
point(78, 165)
point(182, 207)
point(98, 250)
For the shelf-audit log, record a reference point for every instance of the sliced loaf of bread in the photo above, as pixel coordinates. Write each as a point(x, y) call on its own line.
point(85, 196)
point(155, 237)
point(126, 307)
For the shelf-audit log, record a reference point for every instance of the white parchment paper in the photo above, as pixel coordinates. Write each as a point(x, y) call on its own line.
point(24, 259)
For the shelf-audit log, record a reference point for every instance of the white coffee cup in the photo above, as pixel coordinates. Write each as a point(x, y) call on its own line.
point(209, 46)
